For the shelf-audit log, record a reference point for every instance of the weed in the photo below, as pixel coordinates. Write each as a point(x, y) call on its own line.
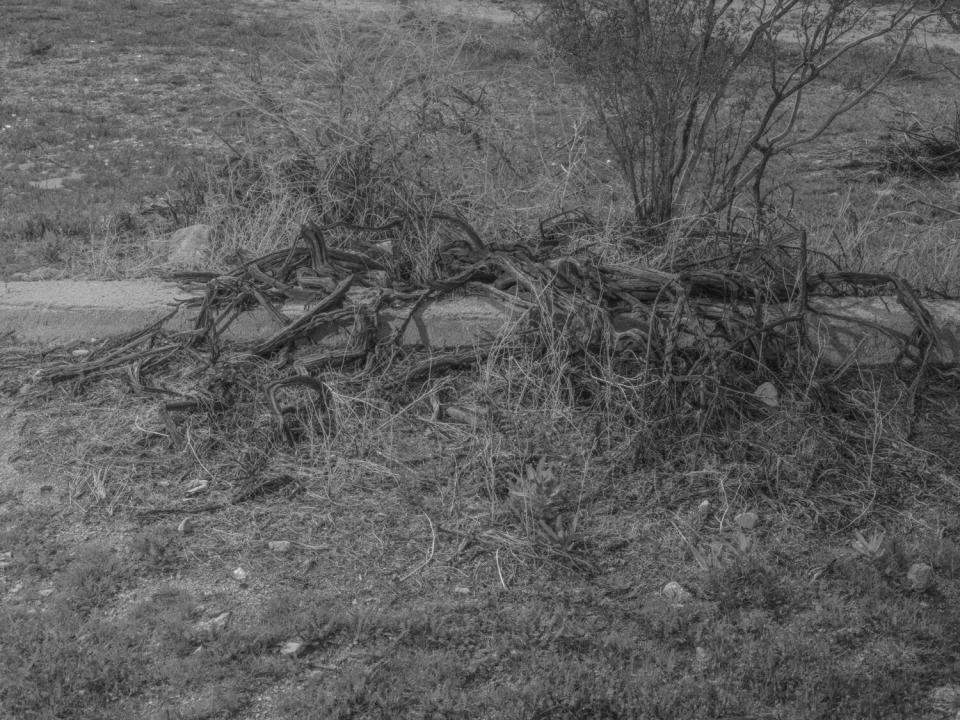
point(92, 579)
point(58, 665)
point(871, 548)
point(157, 549)
point(747, 582)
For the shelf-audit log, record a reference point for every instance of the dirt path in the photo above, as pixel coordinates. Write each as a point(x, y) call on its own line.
point(932, 34)
point(474, 9)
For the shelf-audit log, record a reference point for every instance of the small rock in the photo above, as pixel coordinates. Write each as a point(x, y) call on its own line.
point(461, 590)
point(185, 527)
point(279, 546)
point(767, 394)
point(920, 576)
point(46, 592)
point(190, 247)
point(214, 624)
point(292, 648)
point(240, 575)
point(676, 593)
point(80, 352)
point(747, 520)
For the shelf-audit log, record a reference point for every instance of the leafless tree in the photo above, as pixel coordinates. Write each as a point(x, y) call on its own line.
point(695, 97)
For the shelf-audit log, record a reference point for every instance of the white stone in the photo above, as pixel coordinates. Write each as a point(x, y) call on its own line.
point(279, 546)
point(292, 648)
point(767, 394)
point(190, 248)
point(747, 520)
point(214, 624)
point(920, 576)
point(676, 593)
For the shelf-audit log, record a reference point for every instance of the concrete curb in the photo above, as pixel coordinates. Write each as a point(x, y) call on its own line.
point(59, 312)
point(63, 311)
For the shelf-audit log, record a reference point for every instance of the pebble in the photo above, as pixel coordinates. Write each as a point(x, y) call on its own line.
point(214, 624)
point(676, 593)
point(767, 394)
point(191, 247)
point(292, 648)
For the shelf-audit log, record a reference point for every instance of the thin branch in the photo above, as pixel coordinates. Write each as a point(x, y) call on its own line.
point(429, 558)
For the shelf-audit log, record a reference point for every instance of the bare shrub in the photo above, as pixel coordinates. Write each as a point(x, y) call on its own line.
point(379, 121)
point(925, 151)
point(695, 97)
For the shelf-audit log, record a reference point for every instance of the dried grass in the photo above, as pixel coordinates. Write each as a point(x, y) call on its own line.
point(609, 370)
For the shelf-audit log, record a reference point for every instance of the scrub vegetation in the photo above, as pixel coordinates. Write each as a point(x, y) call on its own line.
point(569, 520)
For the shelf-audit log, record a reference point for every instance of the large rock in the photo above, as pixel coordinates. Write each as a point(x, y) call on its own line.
point(191, 248)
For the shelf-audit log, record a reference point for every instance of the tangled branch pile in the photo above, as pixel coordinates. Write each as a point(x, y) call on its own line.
point(726, 325)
